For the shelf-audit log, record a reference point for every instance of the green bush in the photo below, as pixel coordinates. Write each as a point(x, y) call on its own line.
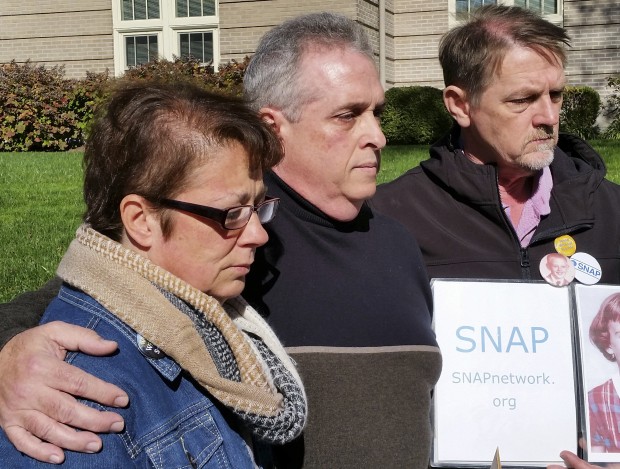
point(414, 115)
point(228, 79)
point(580, 108)
point(612, 109)
point(86, 95)
point(40, 109)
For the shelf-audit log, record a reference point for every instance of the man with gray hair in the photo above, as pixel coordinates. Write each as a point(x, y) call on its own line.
point(344, 288)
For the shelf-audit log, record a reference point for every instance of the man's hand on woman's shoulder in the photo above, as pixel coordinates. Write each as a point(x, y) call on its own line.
point(38, 410)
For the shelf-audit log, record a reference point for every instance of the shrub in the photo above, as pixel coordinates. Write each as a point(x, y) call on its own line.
point(580, 109)
point(162, 70)
point(86, 95)
point(42, 110)
point(414, 115)
point(612, 109)
point(37, 111)
point(228, 79)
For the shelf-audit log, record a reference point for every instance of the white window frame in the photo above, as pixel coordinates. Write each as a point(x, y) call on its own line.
point(557, 18)
point(178, 32)
point(138, 33)
point(133, 1)
point(167, 27)
point(194, 17)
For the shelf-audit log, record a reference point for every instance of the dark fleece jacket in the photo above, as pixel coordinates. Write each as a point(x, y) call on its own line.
point(452, 207)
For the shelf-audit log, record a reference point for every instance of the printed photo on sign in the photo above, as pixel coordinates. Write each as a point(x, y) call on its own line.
point(508, 377)
point(598, 313)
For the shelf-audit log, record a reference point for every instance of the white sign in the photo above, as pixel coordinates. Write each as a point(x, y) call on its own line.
point(508, 375)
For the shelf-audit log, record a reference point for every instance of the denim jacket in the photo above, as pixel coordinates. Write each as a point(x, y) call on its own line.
point(170, 421)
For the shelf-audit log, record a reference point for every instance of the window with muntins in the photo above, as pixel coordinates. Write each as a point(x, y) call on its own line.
point(550, 9)
point(192, 8)
point(464, 7)
point(145, 30)
point(542, 7)
point(198, 45)
point(140, 49)
point(139, 10)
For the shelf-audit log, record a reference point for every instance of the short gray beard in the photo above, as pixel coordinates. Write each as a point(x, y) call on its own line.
point(537, 163)
point(540, 162)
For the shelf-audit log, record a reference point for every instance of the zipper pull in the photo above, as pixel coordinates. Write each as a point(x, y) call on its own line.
point(525, 259)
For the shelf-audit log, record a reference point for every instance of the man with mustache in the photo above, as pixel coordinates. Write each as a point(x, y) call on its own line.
point(504, 184)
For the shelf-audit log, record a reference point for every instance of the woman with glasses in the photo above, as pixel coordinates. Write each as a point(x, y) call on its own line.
point(175, 204)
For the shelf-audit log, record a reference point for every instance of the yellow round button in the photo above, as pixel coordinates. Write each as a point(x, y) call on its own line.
point(565, 245)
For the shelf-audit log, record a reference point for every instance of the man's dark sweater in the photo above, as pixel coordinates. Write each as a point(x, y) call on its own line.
point(351, 302)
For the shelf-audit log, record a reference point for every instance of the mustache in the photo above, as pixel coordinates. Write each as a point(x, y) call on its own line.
point(542, 133)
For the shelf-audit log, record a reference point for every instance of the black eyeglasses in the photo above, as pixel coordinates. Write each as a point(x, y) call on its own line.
point(232, 218)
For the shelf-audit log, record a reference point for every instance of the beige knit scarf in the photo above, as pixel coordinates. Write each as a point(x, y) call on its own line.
point(125, 283)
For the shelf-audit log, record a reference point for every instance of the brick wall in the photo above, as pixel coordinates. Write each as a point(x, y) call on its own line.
point(78, 34)
point(594, 27)
point(418, 26)
point(53, 32)
point(242, 24)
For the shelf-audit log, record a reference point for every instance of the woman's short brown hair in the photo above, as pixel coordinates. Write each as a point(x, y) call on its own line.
point(149, 137)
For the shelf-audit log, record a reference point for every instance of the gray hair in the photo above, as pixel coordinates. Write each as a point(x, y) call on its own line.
point(271, 78)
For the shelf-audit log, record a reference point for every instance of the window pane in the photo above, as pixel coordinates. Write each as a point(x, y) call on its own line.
point(153, 9)
point(181, 8)
point(153, 51)
point(130, 51)
point(142, 49)
point(195, 7)
point(461, 6)
point(195, 46)
point(127, 10)
point(551, 7)
point(208, 7)
point(184, 45)
point(544, 7)
point(464, 7)
point(139, 7)
point(208, 47)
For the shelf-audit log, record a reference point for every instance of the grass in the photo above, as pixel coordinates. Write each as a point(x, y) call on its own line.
point(41, 206)
point(397, 159)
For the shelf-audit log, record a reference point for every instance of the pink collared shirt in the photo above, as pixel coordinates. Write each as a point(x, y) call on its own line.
point(535, 208)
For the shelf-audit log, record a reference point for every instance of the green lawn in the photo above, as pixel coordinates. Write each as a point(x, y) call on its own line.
point(41, 206)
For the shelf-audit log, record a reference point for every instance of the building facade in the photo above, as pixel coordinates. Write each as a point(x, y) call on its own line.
point(117, 34)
